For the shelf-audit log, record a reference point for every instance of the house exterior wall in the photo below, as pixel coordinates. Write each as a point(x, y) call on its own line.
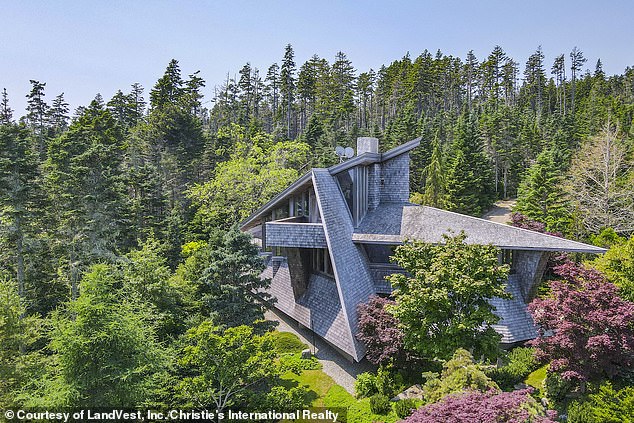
point(374, 186)
point(298, 262)
point(395, 180)
point(303, 235)
point(530, 267)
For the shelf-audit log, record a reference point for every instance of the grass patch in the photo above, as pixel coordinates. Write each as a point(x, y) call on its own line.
point(536, 378)
point(360, 412)
point(316, 381)
point(286, 342)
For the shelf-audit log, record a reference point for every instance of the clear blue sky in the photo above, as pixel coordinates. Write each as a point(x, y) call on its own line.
point(82, 47)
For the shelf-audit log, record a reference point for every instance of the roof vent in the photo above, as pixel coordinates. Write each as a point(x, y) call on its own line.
point(367, 145)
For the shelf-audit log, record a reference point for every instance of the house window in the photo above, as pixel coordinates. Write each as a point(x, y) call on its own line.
point(380, 254)
point(346, 183)
point(321, 263)
point(280, 212)
point(301, 204)
point(354, 187)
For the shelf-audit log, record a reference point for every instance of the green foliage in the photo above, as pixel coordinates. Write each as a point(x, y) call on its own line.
point(147, 277)
point(617, 264)
point(18, 333)
point(469, 176)
point(608, 405)
point(388, 382)
point(541, 196)
point(365, 385)
point(105, 349)
point(445, 305)
point(519, 363)
point(405, 407)
point(556, 388)
point(295, 363)
point(251, 177)
point(286, 342)
point(459, 374)
point(287, 400)
point(380, 404)
point(221, 365)
point(230, 280)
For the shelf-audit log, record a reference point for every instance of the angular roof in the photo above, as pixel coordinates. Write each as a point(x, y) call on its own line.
point(362, 159)
point(395, 223)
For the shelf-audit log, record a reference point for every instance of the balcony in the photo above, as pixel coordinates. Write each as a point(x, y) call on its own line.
point(295, 232)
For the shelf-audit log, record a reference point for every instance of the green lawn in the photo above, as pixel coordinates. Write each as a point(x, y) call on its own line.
point(323, 391)
point(536, 379)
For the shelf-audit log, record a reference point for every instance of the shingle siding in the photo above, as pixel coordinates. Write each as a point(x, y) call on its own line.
point(515, 323)
point(395, 179)
point(354, 280)
point(302, 235)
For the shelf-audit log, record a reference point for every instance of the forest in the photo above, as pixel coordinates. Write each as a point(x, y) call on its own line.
point(125, 283)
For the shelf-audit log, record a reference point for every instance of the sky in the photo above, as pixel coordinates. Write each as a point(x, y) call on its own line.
point(84, 47)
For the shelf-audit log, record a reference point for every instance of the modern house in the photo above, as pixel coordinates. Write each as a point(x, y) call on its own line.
point(328, 238)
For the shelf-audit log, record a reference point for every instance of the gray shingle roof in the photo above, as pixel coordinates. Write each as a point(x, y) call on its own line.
point(394, 223)
point(364, 159)
point(352, 273)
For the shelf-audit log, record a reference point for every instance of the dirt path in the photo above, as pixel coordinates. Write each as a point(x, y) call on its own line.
point(334, 365)
point(501, 211)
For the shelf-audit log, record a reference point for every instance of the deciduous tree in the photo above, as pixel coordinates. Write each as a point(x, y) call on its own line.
point(590, 328)
point(444, 304)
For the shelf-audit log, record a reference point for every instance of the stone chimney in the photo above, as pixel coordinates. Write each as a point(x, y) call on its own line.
point(367, 145)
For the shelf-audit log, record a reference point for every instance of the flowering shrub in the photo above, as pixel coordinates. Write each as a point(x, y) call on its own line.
point(484, 407)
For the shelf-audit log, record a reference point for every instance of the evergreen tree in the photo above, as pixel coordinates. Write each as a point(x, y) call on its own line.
point(58, 115)
point(169, 88)
point(85, 187)
point(36, 114)
point(6, 114)
point(469, 177)
point(136, 104)
point(20, 200)
point(230, 288)
point(104, 349)
point(435, 178)
point(576, 62)
point(287, 89)
point(541, 195)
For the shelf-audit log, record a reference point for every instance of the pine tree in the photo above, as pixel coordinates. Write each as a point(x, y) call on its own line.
point(469, 177)
point(343, 79)
point(58, 115)
point(136, 104)
point(84, 183)
point(287, 89)
point(36, 114)
point(535, 80)
point(272, 92)
point(541, 195)
point(435, 178)
point(20, 201)
point(576, 62)
point(559, 70)
point(169, 88)
point(6, 114)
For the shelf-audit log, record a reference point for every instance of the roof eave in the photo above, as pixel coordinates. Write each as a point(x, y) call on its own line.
point(269, 205)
